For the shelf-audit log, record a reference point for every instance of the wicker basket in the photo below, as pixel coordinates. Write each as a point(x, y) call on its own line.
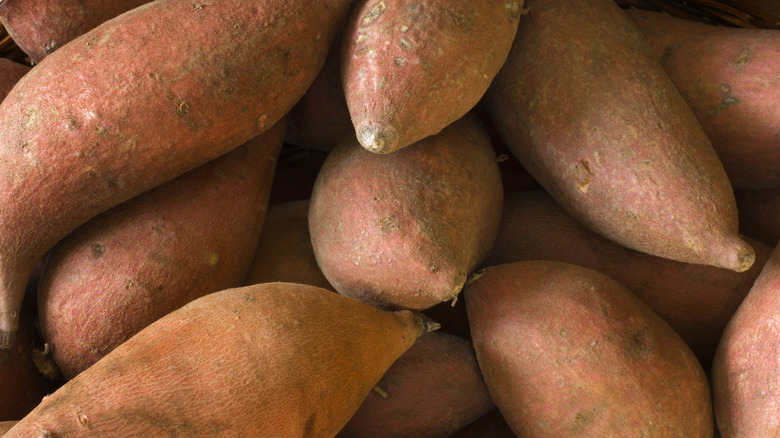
point(733, 13)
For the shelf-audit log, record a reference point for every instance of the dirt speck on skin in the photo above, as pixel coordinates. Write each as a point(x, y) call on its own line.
point(581, 421)
point(97, 250)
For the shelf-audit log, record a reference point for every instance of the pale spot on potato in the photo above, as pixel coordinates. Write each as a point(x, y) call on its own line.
point(261, 122)
point(213, 258)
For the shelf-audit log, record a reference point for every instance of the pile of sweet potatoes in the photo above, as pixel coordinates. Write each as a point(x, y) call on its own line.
point(244, 218)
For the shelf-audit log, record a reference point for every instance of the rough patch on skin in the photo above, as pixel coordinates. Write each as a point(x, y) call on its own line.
point(376, 138)
point(746, 257)
point(743, 58)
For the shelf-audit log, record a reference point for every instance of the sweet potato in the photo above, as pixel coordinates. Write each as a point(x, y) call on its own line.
point(431, 391)
point(728, 76)
point(567, 351)
point(284, 251)
point(696, 300)
point(150, 255)
point(745, 381)
point(404, 230)
point(276, 359)
point(40, 27)
point(759, 213)
point(148, 95)
point(585, 105)
point(412, 67)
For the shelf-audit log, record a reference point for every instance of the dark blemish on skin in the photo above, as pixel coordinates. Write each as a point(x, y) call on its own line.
point(725, 103)
point(743, 57)
point(183, 109)
point(72, 123)
point(101, 131)
point(97, 250)
point(639, 343)
point(405, 43)
point(581, 421)
point(308, 427)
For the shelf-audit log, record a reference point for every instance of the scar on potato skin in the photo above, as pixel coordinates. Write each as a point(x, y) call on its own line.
point(725, 103)
point(743, 57)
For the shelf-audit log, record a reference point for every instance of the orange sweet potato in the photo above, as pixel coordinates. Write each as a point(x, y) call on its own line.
point(275, 359)
point(148, 256)
point(745, 379)
point(585, 105)
point(147, 96)
point(696, 300)
point(284, 251)
point(404, 230)
point(567, 351)
point(40, 27)
point(728, 76)
point(431, 391)
point(411, 67)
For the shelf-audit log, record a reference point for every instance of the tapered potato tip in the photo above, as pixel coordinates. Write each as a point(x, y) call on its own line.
point(378, 138)
point(745, 257)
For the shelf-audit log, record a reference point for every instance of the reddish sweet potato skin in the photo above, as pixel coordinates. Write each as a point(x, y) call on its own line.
point(745, 380)
point(284, 251)
point(411, 67)
point(729, 78)
point(432, 390)
point(214, 75)
point(40, 27)
point(132, 264)
point(206, 368)
point(404, 230)
point(585, 105)
point(696, 300)
point(567, 351)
